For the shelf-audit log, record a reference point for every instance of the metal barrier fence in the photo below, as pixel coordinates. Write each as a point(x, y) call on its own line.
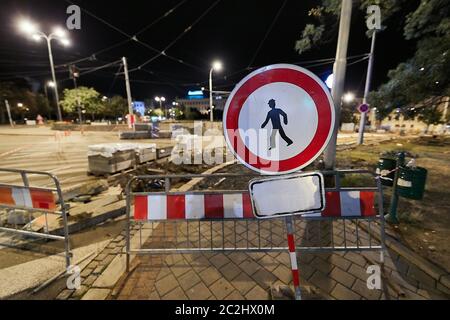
point(39, 203)
point(222, 220)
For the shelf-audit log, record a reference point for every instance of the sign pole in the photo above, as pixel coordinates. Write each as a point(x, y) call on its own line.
point(362, 124)
point(339, 78)
point(392, 218)
point(8, 109)
point(130, 102)
point(293, 256)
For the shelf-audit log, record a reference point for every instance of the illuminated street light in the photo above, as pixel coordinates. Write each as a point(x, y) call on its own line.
point(161, 100)
point(65, 42)
point(349, 97)
point(20, 105)
point(59, 32)
point(329, 81)
point(36, 37)
point(216, 66)
point(29, 28)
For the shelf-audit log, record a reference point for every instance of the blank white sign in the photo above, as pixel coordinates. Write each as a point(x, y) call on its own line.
point(288, 195)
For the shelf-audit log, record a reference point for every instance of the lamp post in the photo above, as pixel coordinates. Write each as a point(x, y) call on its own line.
point(50, 84)
point(58, 34)
point(349, 97)
point(175, 106)
point(161, 100)
point(216, 66)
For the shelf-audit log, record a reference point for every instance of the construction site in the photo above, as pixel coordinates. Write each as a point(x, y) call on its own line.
point(218, 158)
point(95, 203)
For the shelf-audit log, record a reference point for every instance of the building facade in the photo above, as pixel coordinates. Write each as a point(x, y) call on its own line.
point(201, 103)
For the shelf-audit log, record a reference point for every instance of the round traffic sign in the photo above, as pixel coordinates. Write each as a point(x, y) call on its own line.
point(363, 108)
point(278, 119)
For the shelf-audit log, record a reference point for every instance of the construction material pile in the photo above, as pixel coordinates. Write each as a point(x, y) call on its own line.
point(109, 158)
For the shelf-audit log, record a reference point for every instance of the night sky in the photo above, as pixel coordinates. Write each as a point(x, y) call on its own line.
point(230, 31)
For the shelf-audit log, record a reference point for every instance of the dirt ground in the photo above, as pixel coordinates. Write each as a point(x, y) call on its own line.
point(424, 224)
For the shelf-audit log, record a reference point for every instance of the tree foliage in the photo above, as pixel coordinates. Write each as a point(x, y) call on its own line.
point(86, 98)
point(325, 19)
point(116, 107)
point(33, 103)
point(421, 81)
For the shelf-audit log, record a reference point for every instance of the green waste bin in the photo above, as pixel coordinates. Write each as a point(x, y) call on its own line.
point(411, 182)
point(386, 171)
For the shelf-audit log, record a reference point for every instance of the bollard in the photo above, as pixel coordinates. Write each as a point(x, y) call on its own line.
point(392, 217)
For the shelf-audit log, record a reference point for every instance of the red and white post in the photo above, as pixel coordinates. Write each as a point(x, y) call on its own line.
point(293, 257)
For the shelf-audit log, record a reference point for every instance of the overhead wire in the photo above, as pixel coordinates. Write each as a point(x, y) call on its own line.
point(173, 42)
point(115, 78)
point(154, 22)
point(267, 33)
point(165, 15)
point(134, 38)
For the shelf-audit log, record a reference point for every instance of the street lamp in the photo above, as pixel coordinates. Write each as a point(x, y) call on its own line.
point(161, 100)
point(216, 66)
point(349, 97)
point(329, 81)
point(32, 30)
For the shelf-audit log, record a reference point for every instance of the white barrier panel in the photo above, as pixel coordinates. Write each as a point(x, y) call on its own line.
point(297, 194)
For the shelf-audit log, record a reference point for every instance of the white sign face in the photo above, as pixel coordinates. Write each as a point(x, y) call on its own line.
point(289, 97)
point(297, 194)
point(278, 119)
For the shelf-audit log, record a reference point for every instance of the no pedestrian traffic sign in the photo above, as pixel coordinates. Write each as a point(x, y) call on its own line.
point(279, 119)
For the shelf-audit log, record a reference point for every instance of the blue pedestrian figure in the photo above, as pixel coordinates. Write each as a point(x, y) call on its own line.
point(274, 116)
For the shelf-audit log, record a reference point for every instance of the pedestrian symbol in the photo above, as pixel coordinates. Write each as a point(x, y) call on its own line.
point(278, 119)
point(274, 116)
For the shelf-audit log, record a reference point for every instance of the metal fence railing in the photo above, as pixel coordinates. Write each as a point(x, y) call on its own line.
point(38, 203)
point(218, 219)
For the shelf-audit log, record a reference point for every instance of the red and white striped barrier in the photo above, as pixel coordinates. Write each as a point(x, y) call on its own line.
point(27, 198)
point(349, 204)
point(293, 259)
point(192, 206)
point(238, 205)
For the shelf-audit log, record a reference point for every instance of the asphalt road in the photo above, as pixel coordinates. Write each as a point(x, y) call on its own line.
point(41, 149)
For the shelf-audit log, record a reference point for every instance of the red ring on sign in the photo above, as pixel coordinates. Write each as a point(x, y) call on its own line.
point(297, 78)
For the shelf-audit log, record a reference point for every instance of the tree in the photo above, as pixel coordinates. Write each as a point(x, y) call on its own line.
point(87, 98)
point(326, 17)
point(157, 113)
point(116, 107)
point(421, 80)
point(191, 113)
point(431, 115)
point(348, 113)
point(23, 102)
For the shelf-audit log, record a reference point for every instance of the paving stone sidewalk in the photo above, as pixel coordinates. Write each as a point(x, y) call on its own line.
point(248, 276)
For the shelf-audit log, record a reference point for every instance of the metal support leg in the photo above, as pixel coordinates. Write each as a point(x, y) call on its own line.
point(293, 257)
point(128, 225)
point(392, 218)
